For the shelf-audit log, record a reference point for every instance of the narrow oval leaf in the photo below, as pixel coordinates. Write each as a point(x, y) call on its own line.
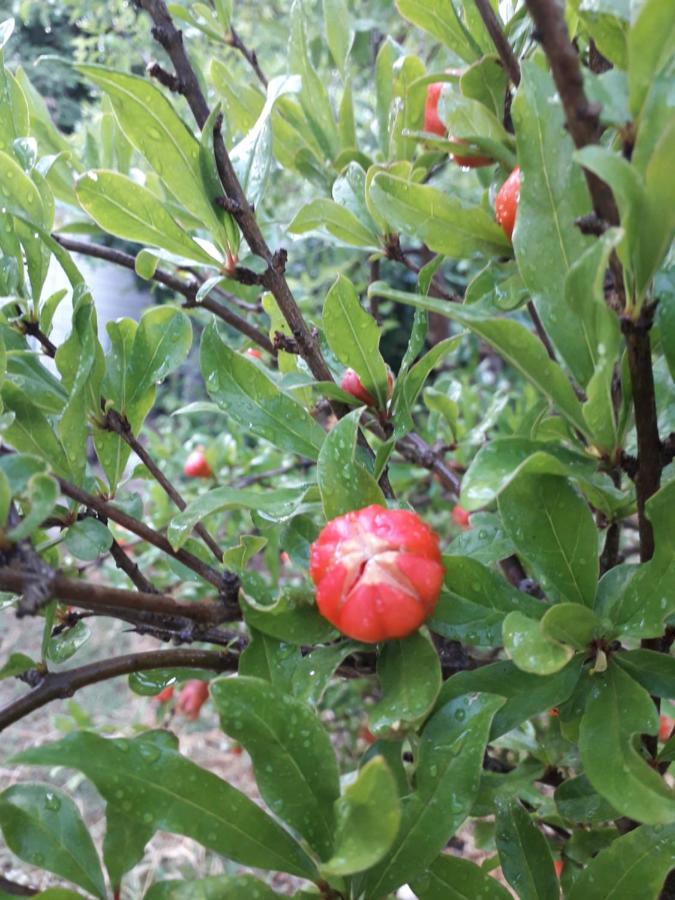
point(634, 865)
point(617, 710)
point(161, 342)
point(571, 623)
point(127, 209)
point(368, 816)
point(344, 483)
point(253, 400)
point(294, 763)
point(554, 533)
point(409, 672)
point(217, 887)
point(153, 784)
point(452, 878)
point(524, 853)
point(448, 775)
point(43, 826)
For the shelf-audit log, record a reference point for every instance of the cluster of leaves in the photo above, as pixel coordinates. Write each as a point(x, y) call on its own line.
point(545, 605)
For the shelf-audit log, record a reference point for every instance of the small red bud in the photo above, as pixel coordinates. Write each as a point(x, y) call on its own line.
point(506, 202)
point(192, 697)
point(197, 466)
point(460, 516)
point(665, 728)
point(164, 695)
point(253, 353)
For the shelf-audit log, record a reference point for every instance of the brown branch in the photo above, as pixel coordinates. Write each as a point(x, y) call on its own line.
point(187, 289)
point(226, 582)
point(499, 39)
point(166, 33)
point(99, 597)
point(33, 329)
point(583, 117)
point(16, 890)
point(541, 331)
point(249, 55)
point(120, 426)
point(124, 562)
point(60, 685)
point(416, 450)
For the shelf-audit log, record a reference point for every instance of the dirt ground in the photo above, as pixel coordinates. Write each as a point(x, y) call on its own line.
point(116, 708)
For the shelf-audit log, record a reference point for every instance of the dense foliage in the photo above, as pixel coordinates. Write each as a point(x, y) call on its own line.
point(310, 222)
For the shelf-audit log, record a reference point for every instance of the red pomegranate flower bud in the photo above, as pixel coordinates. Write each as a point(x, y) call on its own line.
point(431, 121)
point(469, 162)
point(506, 202)
point(351, 384)
point(378, 573)
point(253, 353)
point(665, 728)
point(165, 695)
point(193, 695)
point(558, 865)
point(460, 517)
point(197, 466)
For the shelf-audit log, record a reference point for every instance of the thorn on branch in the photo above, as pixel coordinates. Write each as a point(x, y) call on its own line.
point(229, 205)
point(170, 81)
point(591, 224)
point(284, 342)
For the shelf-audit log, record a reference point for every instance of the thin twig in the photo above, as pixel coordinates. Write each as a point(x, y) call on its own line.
point(124, 562)
point(227, 582)
point(187, 289)
point(541, 331)
point(499, 39)
point(94, 596)
point(120, 426)
point(60, 685)
point(249, 55)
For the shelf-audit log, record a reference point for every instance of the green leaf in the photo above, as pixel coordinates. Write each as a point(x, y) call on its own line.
point(654, 671)
point(18, 193)
point(275, 505)
point(649, 597)
point(339, 34)
point(452, 878)
point(636, 864)
point(345, 484)
point(486, 81)
point(584, 293)
point(124, 843)
point(293, 618)
point(411, 380)
point(151, 124)
point(216, 887)
point(651, 42)
point(554, 533)
point(466, 118)
point(526, 694)
point(66, 644)
point(553, 194)
point(127, 209)
point(354, 337)
point(43, 827)
point(501, 460)
point(161, 343)
point(617, 710)
point(514, 343)
point(475, 601)
point(384, 89)
point(442, 21)
point(17, 664)
point(30, 431)
point(530, 648)
point(336, 220)
point(88, 539)
point(270, 659)
point(314, 671)
point(153, 784)
point(409, 673)
point(253, 400)
point(524, 853)
point(571, 623)
point(577, 801)
point(436, 218)
point(368, 816)
point(294, 763)
point(451, 753)
point(43, 492)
